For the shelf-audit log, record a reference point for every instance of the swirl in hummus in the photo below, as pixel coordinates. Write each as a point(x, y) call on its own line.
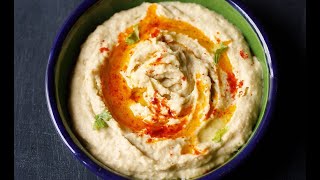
point(178, 105)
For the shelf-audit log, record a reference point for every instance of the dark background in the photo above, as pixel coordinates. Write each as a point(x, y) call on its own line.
point(39, 153)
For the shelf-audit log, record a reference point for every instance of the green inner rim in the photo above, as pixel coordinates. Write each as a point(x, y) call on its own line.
point(103, 10)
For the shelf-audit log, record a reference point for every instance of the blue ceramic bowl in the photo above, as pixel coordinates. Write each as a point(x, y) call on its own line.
point(91, 13)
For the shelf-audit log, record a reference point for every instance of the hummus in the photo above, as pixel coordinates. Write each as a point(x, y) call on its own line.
point(175, 87)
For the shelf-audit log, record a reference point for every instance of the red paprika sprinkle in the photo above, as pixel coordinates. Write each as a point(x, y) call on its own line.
point(104, 49)
point(149, 140)
point(243, 54)
point(232, 81)
point(158, 59)
point(218, 40)
point(155, 33)
point(240, 84)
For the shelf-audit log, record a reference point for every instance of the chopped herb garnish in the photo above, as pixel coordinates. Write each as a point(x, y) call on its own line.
point(219, 49)
point(101, 119)
point(134, 36)
point(219, 134)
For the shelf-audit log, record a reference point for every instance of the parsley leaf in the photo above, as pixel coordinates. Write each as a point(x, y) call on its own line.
point(219, 134)
point(100, 120)
point(134, 36)
point(219, 50)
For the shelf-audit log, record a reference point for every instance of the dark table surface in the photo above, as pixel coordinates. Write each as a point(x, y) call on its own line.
point(39, 153)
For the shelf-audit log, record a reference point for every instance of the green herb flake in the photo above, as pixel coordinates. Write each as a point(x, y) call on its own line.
point(219, 49)
point(134, 36)
point(100, 120)
point(219, 134)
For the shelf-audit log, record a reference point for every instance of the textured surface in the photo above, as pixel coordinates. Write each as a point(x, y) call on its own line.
point(39, 153)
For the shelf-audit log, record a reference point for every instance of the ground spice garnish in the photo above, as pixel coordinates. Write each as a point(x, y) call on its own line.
point(232, 81)
point(158, 59)
point(218, 39)
point(149, 140)
point(155, 33)
point(243, 54)
point(240, 84)
point(104, 49)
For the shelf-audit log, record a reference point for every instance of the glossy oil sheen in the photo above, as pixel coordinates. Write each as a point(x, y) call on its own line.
point(104, 9)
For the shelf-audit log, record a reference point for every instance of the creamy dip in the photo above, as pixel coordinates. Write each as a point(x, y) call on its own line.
point(175, 85)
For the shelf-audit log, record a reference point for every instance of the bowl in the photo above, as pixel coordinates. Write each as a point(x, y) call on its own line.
point(90, 13)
